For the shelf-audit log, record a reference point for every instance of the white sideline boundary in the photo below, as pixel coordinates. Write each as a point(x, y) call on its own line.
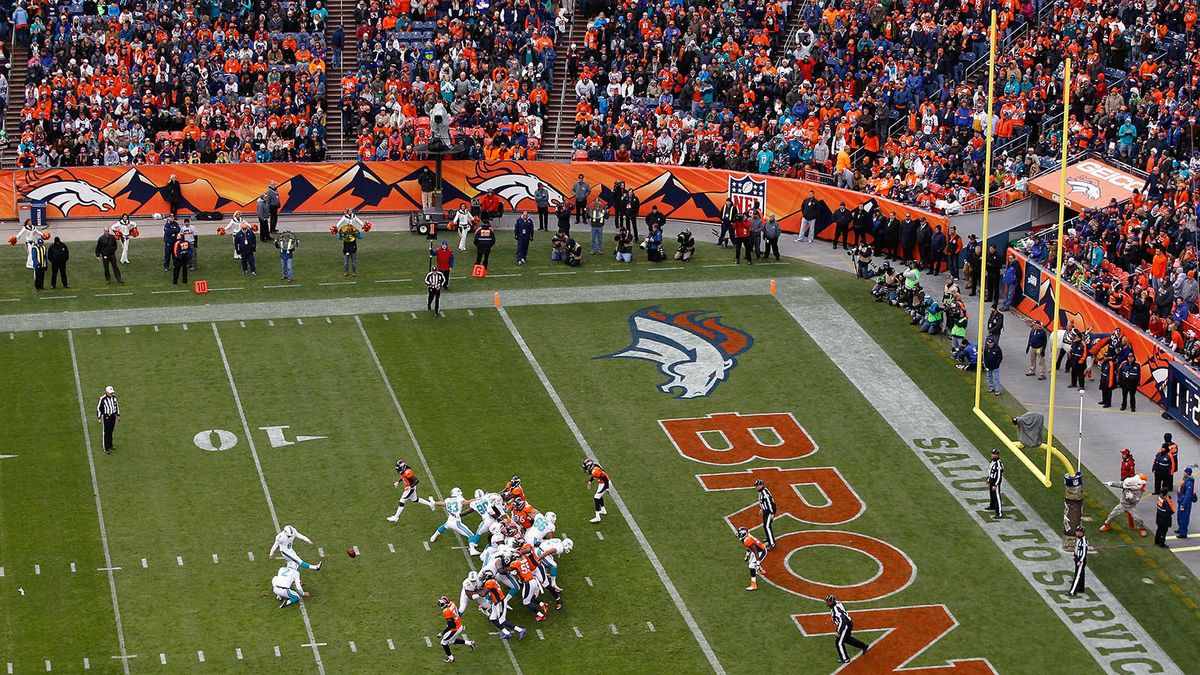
point(616, 497)
point(885, 386)
point(412, 437)
point(87, 442)
point(262, 480)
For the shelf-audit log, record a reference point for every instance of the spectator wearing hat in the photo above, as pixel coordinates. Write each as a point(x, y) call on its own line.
point(443, 261)
point(993, 356)
point(580, 191)
point(1172, 449)
point(40, 263)
point(1036, 348)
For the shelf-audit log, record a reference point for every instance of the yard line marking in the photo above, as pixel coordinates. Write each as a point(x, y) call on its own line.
point(320, 552)
point(539, 634)
point(262, 480)
point(390, 281)
point(885, 385)
point(553, 274)
point(10, 669)
point(165, 292)
point(620, 503)
point(599, 535)
point(610, 271)
point(300, 322)
point(229, 288)
point(162, 658)
point(87, 440)
point(200, 655)
point(113, 295)
point(242, 324)
point(391, 548)
point(144, 565)
point(428, 642)
point(649, 626)
point(391, 645)
point(250, 555)
point(58, 297)
point(412, 437)
point(276, 650)
point(37, 569)
point(589, 581)
point(577, 633)
point(47, 665)
point(336, 283)
point(662, 269)
point(239, 653)
point(314, 644)
point(283, 286)
point(498, 276)
point(72, 568)
point(105, 569)
point(215, 560)
point(9, 299)
point(353, 648)
point(613, 628)
point(87, 665)
point(722, 265)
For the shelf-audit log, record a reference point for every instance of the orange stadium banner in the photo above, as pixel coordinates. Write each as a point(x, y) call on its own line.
point(1037, 302)
point(682, 193)
point(1091, 184)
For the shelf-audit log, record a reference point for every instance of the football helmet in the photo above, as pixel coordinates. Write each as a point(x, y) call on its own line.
point(292, 566)
point(552, 517)
point(588, 464)
point(478, 493)
point(456, 493)
point(568, 545)
point(518, 504)
point(515, 481)
point(487, 575)
point(443, 602)
point(742, 533)
point(472, 577)
point(401, 465)
point(289, 530)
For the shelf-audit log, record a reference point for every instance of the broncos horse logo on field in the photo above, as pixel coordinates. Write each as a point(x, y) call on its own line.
point(67, 194)
point(692, 348)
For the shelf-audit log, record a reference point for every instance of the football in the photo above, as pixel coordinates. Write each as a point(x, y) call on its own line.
point(351, 552)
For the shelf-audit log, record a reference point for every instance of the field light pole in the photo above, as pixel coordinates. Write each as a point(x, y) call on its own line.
point(1079, 448)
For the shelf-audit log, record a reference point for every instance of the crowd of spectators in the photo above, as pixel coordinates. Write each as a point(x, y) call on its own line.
point(210, 81)
point(489, 64)
point(886, 98)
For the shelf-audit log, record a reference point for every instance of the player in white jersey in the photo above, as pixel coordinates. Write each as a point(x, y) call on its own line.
point(490, 508)
point(283, 544)
point(542, 528)
point(456, 505)
point(286, 585)
point(546, 552)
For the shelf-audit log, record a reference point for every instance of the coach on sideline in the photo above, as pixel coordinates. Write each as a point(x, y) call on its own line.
point(108, 413)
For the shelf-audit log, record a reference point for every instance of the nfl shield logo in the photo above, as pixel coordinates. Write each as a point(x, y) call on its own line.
point(746, 193)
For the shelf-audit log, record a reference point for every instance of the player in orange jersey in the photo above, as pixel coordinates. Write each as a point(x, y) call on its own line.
point(524, 565)
point(513, 489)
point(409, 481)
point(523, 513)
point(597, 474)
point(454, 633)
point(497, 599)
point(755, 553)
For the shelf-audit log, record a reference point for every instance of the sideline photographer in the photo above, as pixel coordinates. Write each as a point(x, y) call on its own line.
point(687, 245)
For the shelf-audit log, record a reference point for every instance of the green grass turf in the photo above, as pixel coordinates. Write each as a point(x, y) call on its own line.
point(480, 415)
point(389, 263)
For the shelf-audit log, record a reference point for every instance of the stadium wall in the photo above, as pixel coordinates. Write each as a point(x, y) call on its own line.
point(389, 187)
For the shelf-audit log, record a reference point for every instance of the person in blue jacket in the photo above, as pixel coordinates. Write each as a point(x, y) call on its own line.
point(993, 356)
point(170, 234)
point(1184, 498)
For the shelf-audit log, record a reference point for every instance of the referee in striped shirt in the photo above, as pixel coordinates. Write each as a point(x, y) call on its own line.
point(108, 413)
point(845, 629)
point(766, 502)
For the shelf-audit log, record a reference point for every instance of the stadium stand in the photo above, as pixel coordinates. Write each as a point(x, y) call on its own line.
point(173, 82)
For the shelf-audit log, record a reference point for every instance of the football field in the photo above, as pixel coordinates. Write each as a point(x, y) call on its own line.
point(154, 558)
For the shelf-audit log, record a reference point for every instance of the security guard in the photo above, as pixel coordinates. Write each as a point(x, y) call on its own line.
point(1185, 497)
point(766, 502)
point(1163, 518)
point(1129, 376)
point(1108, 380)
point(995, 479)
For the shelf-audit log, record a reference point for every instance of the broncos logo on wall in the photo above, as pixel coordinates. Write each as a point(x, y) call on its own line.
point(694, 350)
point(65, 195)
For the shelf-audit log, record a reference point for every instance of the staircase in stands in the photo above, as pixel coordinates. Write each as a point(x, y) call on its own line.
point(341, 148)
point(559, 128)
point(16, 101)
